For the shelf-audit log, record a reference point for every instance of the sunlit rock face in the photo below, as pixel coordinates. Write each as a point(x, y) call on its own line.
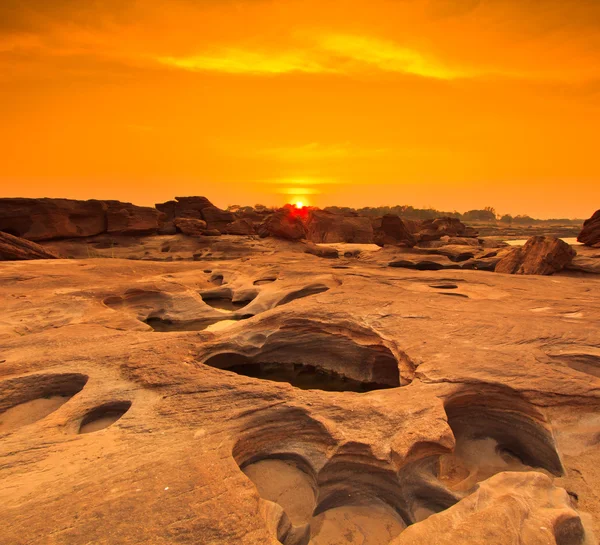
point(236, 389)
point(590, 234)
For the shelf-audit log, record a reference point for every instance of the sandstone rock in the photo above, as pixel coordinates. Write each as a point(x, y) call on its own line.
point(437, 228)
point(239, 227)
point(539, 255)
point(15, 249)
point(190, 227)
point(140, 402)
point(46, 219)
point(196, 208)
point(129, 219)
point(392, 230)
point(590, 234)
point(284, 223)
point(320, 251)
point(526, 508)
point(327, 227)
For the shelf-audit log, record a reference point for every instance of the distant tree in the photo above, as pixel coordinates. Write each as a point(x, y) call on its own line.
point(487, 214)
point(507, 218)
point(234, 208)
point(524, 220)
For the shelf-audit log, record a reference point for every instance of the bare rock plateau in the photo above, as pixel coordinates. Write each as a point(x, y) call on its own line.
point(246, 390)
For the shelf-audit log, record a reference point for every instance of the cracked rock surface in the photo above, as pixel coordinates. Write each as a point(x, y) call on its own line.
point(288, 399)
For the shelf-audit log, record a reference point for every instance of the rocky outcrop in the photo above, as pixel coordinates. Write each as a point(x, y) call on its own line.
point(123, 218)
point(444, 227)
point(539, 255)
point(16, 249)
point(590, 234)
point(284, 223)
point(196, 208)
point(239, 227)
point(391, 230)
point(46, 219)
point(190, 226)
point(323, 226)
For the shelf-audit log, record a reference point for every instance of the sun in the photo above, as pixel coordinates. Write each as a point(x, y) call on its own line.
point(299, 204)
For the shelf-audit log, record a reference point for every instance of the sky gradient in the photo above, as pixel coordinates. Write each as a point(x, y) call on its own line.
point(454, 104)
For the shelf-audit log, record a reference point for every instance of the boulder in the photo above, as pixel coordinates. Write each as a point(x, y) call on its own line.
point(16, 249)
point(444, 227)
point(47, 219)
point(393, 231)
point(284, 223)
point(239, 227)
point(323, 226)
point(190, 226)
point(123, 218)
point(196, 208)
point(539, 255)
point(590, 234)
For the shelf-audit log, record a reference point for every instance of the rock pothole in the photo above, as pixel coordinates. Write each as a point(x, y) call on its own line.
point(263, 281)
point(25, 400)
point(103, 416)
point(495, 430)
point(309, 358)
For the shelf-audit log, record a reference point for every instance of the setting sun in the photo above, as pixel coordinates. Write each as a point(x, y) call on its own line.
point(299, 204)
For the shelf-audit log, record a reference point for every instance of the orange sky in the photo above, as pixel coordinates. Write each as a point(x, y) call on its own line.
point(455, 104)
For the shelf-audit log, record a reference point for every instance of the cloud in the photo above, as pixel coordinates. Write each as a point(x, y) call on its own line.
point(341, 54)
point(317, 151)
point(240, 61)
point(385, 55)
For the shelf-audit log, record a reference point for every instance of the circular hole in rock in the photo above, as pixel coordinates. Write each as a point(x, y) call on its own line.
point(25, 400)
point(287, 481)
point(104, 416)
point(496, 430)
point(225, 303)
point(217, 279)
point(263, 281)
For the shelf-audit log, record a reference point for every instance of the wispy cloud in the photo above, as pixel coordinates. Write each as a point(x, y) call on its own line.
point(385, 55)
point(340, 53)
point(240, 61)
point(318, 151)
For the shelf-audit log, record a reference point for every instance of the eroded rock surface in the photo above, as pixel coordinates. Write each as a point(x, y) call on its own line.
point(280, 400)
point(16, 249)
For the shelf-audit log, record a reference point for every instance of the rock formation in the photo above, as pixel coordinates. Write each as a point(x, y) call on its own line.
point(539, 255)
point(16, 249)
point(48, 219)
point(190, 226)
point(284, 399)
point(128, 219)
point(322, 226)
point(590, 234)
point(196, 208)
point(283, 223)
point(437, 228)
point(392, 230)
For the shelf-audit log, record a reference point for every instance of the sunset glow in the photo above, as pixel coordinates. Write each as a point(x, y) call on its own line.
point(453, 104)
